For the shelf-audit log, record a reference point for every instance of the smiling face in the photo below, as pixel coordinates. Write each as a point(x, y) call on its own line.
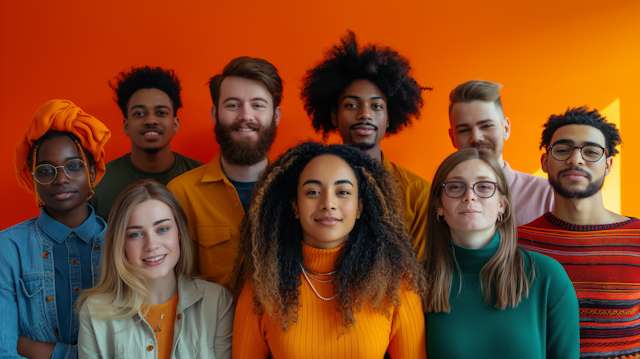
point(361, 117)
point(480, 125)
point(245, 121)
point(150, 123)
point(152, 241)
point(470, 216)
point(575, 177)
point(327, 203)
point(64, 197)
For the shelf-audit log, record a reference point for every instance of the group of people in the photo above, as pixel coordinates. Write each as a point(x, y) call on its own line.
point(330, 251)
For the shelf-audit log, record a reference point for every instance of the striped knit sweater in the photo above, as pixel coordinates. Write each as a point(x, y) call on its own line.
point(603, 262)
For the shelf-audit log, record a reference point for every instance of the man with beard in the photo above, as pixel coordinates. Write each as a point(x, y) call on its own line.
point(149, 98)
point(598, 248)
point(365, 95)
point(245, 112)
point(477, 120)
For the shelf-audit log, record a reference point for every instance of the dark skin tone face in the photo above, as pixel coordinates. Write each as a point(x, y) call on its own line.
point(65, 199)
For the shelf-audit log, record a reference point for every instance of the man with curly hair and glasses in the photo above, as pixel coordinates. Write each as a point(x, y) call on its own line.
point(597, 247)
point(364, 95)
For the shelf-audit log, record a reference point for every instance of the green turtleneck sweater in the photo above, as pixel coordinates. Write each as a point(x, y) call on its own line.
point(544, 325)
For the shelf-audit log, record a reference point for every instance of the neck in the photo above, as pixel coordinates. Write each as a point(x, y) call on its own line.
point(375, 152)
point(152, 163)
point(240, 173)
point(161, 290)
point(72, 218)
point(472, 239)
point(584, 211)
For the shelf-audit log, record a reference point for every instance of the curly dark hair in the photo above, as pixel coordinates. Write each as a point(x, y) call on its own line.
point(127, 83)
point(344, 64)
point(582, 116)
point(376, 260)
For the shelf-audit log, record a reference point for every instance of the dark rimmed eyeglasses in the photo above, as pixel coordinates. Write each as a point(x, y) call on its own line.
point(46, 173)
point(589, 153)
point(482, 189)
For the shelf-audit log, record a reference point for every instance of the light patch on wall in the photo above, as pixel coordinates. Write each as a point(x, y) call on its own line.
point(611, 189)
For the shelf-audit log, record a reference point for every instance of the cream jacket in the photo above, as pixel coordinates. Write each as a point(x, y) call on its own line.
point(203, 327)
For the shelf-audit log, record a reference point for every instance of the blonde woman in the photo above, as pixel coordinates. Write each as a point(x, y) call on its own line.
point(488, 298)
point(147, 303)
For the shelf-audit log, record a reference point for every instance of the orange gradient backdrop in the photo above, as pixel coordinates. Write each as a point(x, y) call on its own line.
point(548, 54)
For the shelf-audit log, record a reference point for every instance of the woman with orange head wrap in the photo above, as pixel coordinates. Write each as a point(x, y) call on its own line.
point(45, 262)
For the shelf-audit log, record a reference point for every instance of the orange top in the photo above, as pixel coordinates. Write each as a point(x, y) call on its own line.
point(162, 318)
point(317, 334)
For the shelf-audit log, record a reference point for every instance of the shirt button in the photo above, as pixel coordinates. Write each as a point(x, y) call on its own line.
point(179, 316)
point(97, 246)
point(76, 289)
point(150, 348)
point(49, 299)
point(236, 205)
point(74, 342)
point(74, 261)
point(45, 255)
point(55, 331)
point(71, 234)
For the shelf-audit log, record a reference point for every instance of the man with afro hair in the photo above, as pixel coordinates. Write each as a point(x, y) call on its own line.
point(149, 98)
point(597, 247)
point(363, 95)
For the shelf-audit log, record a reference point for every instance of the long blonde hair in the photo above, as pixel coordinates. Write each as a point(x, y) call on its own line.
point(505, 270)
point(122, 289)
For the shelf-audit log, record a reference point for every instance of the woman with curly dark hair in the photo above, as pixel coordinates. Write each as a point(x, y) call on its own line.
point(325, 266)
point(364, 95)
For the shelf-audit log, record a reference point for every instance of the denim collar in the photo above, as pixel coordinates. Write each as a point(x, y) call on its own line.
point(59, 232)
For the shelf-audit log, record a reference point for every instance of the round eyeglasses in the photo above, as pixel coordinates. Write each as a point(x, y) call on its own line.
point(589, 153)
point(482, 189)
point(46, 174)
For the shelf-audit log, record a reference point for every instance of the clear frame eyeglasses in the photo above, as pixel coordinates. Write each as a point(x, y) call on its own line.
point(46, 173)
point(589, 153)
point(482, 189)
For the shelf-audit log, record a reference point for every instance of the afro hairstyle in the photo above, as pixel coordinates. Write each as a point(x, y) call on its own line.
point(127, 83)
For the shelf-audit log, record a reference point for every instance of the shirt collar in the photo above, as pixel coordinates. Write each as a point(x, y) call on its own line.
point(59, 232)
point(214, 171)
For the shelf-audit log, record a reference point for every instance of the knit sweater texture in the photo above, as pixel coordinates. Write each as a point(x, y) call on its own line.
point(603, 262)
point(544, 324)
point(319, 333)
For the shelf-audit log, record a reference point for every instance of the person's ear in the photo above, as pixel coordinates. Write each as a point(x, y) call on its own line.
point(360, 206)
point(544, 162)
point(452, 136)
point(507, 128)
point(503, 206)
point(608, 163)
point(214, 115)
point(125, 126)
point(176, 125)
point(92, 175)
point(277, 114)
point(334, 117)
point(439, 208)
point(294, 208)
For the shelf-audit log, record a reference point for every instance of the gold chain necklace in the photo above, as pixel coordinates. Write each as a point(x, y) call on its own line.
point(314, 288)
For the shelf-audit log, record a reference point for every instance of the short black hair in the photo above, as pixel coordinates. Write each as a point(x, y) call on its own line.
point(342, 65)
point(127, 83)
point(582, 116)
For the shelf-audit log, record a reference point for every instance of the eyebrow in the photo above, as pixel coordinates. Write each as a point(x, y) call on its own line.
point(477, 123)
point(568, 141)
point(238, 99)
point(338, 182)
point(45, 162)
point(479, 178)
point(144, 107)
point(154, 223)
point(359, 98)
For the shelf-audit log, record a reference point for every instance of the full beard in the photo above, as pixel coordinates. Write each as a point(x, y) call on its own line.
point(593, 187)
point(246, 152)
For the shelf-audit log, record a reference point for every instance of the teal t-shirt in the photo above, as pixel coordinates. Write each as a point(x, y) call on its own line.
point(244, 190)
point(121, 172)
point(544, 325)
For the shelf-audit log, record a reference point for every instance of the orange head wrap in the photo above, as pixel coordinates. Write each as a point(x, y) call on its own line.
point(63, 116)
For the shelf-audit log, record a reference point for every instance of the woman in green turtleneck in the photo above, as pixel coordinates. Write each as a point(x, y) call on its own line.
point(488, 298)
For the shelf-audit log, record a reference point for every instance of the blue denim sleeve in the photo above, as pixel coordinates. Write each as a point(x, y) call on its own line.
point(8, 308)
point(65, 351)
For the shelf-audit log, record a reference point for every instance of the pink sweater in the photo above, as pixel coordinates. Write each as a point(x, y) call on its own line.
point(532, 196)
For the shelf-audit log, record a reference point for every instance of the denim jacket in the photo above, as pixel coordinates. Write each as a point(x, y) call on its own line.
point(27, 287)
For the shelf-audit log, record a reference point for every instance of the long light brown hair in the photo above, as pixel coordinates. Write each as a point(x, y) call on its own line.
point(505, 272)
point(122, 289)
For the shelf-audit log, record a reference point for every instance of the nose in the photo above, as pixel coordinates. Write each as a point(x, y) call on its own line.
point(328, 202)
point(476, 136)
point(61, 177)
point(469, 195)
point(151, 120)
point(364, 113)
point(576, 157)
point(246, 113)
point(151, 242)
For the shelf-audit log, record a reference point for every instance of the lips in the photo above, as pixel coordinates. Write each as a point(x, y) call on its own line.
point(155, 261)
point(363, 128)
point(151, 133)
point(574, 174)
point(328, 221)
point(63, 195)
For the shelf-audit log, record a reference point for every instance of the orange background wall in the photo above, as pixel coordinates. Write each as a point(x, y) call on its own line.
point(549, 54)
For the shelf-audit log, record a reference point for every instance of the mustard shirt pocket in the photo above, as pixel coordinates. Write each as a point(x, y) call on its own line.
point(216, 252)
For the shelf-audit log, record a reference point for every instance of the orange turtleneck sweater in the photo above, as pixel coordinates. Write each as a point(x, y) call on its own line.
point(317, 333)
